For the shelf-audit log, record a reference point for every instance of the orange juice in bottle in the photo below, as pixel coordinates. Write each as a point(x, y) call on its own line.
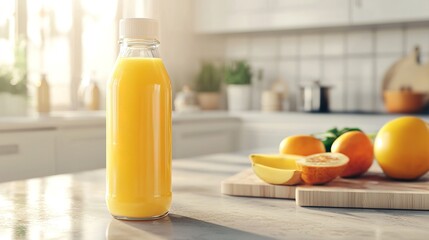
point(138, 126)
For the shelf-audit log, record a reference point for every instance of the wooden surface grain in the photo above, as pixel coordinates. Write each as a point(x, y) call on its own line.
point(373, 190)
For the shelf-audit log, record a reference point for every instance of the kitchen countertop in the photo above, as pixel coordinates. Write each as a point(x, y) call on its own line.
point(72, 206)
point(97, 118)
point(52, 120)
point(66, 119)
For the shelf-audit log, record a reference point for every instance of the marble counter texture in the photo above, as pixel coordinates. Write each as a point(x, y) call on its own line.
point(72, 207)
point(66, 119)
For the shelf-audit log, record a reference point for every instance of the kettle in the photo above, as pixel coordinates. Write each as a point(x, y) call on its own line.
point(315, 97)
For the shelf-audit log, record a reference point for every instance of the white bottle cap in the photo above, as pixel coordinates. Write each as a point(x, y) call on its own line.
point(138, 28)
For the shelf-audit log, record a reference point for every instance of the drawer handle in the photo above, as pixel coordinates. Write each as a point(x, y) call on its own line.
point(9, 149)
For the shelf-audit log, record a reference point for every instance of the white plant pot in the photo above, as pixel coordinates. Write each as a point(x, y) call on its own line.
point(239, 97)
point(13, 105)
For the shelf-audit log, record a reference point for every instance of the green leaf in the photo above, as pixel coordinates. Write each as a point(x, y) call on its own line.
point(13, 78)
point(209, 78)
point(238, 72)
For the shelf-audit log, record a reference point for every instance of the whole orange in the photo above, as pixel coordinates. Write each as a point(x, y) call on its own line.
point(358, 147)
point(401, 148)
point(301, 145)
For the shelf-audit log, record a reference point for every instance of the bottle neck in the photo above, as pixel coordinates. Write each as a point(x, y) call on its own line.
point(139, 48)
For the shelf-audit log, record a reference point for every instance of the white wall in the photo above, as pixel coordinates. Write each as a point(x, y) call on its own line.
point(352, 60)
point(178, 45)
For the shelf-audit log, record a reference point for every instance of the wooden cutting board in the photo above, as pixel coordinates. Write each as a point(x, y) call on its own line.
point(372, 190)
point(407, 72)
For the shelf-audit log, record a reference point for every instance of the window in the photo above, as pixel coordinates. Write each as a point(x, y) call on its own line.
point(79, 40)
point(67, 40)
point(7, 32)
point(49, 25)
point(99, 39)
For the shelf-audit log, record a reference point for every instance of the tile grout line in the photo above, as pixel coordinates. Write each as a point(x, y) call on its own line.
point(374, 69)
point(404, 40)
point(299, 59)
point(321, 58)
point(298, 97)
point(345, 68)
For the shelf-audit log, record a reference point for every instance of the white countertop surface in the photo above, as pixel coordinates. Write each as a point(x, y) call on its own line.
point(52, 120)
point(72, 206)
point(97, 118)
point(89, 118)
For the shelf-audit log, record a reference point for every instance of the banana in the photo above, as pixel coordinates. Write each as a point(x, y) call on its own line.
point(277, 176)
point(281, 161)
point(279, 169)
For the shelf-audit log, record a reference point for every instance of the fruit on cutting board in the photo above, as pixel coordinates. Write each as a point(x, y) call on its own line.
point(285, 161)
point(322, 168)
point(301, 145)
point(278, 176)
point(358, 147)
point(280, 169)
point(329, 137)
point(401, 148)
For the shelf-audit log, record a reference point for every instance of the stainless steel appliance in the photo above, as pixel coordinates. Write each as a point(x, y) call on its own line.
point(315, 97)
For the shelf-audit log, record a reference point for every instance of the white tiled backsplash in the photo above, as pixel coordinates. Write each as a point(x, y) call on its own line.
point(353, 61)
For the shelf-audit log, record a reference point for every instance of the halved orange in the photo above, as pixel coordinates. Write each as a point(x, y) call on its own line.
point(322, 168)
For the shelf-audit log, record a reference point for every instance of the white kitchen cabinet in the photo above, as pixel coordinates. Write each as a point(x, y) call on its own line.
point(246, 15)
point(27, 154)
point(293, 14)
point(223, 16)
point(231, 16)
point(388, 11)
point(192, 138)
point(80, 149)
point(210, 15)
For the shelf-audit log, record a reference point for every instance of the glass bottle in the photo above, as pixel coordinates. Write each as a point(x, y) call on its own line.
point(43, 96)
point(138, 126)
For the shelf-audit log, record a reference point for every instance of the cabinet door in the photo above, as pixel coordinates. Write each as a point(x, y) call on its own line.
point(80, 149)
point(247, 15)
point(27, 154)
point(387, 11)
point(199, 138)
point(210, 15)
point(220, 16)
point(290, 14)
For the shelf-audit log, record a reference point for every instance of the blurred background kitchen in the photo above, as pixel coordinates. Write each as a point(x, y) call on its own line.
point(245, 73)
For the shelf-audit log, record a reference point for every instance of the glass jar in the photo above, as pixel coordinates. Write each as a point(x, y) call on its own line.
point(138, 126)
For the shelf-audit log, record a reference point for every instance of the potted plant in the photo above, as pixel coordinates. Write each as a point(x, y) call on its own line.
point(238, 76)
point(13, 92)
point(208, 85)
point(13, 85)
